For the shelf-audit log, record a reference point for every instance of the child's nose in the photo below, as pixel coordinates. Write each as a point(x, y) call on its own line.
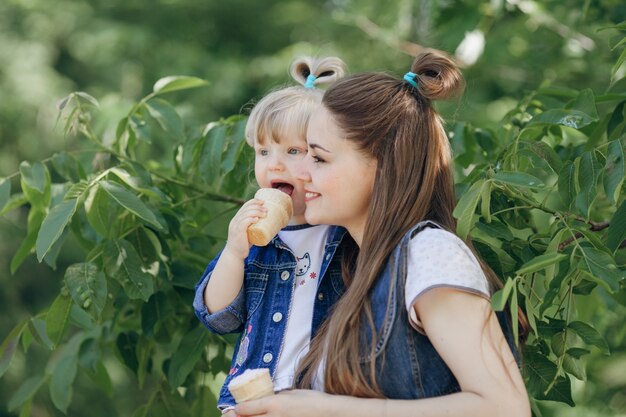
point(276, 164)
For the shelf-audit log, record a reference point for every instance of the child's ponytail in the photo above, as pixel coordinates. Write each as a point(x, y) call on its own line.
point(324, 71)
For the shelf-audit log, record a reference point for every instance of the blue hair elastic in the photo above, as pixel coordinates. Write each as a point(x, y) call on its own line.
point(409, 77)
point(310, 80)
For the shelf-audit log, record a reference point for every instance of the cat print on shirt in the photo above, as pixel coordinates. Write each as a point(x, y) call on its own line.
point(304, 264)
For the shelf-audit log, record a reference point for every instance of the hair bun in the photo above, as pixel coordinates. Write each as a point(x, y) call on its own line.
point(438, 76)
point(326, 70)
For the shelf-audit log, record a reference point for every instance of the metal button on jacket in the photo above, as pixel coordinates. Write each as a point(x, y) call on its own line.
point(277, 317)
point(267, 358)
point(284, 275)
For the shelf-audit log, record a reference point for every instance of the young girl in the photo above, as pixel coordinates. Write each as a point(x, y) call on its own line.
point(279, 294)
point(414, 332)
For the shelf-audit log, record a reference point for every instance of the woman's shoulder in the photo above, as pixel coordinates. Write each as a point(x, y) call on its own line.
point(433, 237)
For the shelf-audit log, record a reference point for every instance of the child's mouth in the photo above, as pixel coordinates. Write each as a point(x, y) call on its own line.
point(284, 187)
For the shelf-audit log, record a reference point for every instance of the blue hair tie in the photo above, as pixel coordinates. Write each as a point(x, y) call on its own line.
point(409, 77)
point(310, 80)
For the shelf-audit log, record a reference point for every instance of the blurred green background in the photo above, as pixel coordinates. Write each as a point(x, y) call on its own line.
point(115, 50)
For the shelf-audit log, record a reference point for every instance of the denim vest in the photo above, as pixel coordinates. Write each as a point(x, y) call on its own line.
point(261, 309)
point(407, 365)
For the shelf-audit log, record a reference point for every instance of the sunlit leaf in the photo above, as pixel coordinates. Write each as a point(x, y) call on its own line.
point(518, 179)
point(53, 226)
point(541, 262)
point(499, 299)
point(465, 208)
point(131, 202)
point(569, 118)
point(174, 83)
point(123, 263)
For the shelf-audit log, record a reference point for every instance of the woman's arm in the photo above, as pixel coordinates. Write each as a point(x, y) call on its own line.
point(467, 335)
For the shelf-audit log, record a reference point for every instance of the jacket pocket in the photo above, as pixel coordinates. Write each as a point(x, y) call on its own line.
point(255, 285)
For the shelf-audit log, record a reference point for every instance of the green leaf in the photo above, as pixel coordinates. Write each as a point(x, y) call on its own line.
point(126, 344)
point(102, 212)
point(617, 228)
point(167, 117)
point(569, 118)
point(102, 379)
point(35, 181)
point(155, 313)
point(183, 361)
point(567, 183)
point(540, 373)
point(53, 226)
point(211, 149)
point(86, 98)
point(589, 335)
point(25, 392)
point(547, 154)
point(58, 317)
point(37, 329)
point(122, 262)
point(175, 83)
point(131, 202)
point(613, 171)
point(518, 179)
point(9, 345)
point(574, 367)
point(62, 379)
point(618, 63)
point(205, 400)
point(169, 403)
point(587, 179)
point(499, 299)
point(465, 209)
point(496, 229)
point(602, 267)
point(585, 102)
point(485, 201)
point(35, 218)
point(15, 201)
point(68, 167)
point(87, 286)
point(541, 262)
point(5, 192)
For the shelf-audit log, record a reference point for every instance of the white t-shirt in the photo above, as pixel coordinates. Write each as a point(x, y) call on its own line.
point(436, 258)
point(307, 243)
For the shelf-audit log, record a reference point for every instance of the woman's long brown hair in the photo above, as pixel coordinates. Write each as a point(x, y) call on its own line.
point(395, 123)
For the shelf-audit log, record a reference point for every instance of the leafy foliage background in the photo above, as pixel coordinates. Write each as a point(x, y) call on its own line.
point(114, 197)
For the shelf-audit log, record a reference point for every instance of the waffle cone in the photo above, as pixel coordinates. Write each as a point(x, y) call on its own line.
point(279, 211)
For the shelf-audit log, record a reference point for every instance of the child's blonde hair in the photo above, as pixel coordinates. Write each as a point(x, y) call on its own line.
point(288, 109)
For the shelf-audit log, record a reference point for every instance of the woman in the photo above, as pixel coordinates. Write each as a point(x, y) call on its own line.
point(414, 333)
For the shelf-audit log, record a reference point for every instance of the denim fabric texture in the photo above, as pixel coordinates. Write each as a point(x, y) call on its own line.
point(407, 364)
point(261, 309)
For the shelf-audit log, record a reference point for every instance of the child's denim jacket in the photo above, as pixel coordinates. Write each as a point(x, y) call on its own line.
point(261, 309)
point(407, 365)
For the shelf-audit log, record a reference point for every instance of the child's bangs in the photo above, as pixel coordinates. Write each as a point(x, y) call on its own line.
point(284, 121)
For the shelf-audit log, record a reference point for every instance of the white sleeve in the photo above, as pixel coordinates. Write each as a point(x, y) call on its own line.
point(438, 258)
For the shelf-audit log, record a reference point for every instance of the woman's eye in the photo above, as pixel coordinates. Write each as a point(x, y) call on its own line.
point(317, 159)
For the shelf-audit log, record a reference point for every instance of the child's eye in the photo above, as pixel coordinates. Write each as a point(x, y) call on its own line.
point(294, 151)
point(263, 152)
